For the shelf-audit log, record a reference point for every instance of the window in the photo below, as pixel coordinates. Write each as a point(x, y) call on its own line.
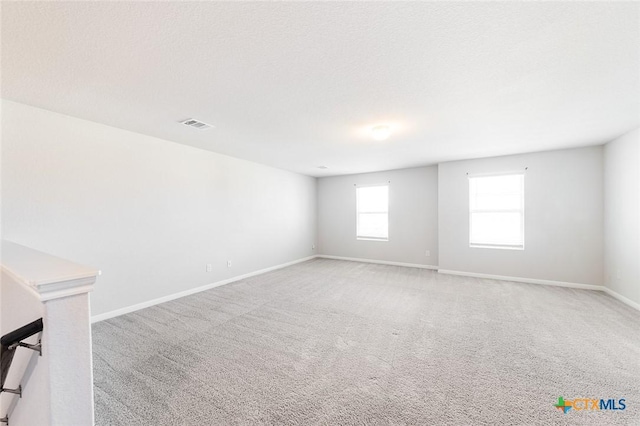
point(373, 212)
point(496, 211)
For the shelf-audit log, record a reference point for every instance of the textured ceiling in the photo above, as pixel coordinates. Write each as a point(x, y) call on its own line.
point(296, 85)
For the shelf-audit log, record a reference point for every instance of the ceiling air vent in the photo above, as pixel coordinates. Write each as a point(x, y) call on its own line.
point(196, 124)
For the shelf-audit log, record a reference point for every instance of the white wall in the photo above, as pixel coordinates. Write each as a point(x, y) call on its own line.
point(563, 217)
point(148, 212)
point(622, 215)
point(413, 216)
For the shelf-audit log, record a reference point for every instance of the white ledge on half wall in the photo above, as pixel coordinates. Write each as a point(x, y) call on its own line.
point(48, 277)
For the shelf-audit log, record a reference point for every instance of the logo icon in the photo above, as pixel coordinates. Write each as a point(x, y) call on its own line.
point(582, 404)
point(563, 405)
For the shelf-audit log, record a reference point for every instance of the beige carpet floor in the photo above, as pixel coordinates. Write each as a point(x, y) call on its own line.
point(345, 343)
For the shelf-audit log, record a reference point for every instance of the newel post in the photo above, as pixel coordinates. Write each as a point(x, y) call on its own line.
point(61, 380)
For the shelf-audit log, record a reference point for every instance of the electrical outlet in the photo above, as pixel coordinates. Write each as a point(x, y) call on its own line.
point(209, 267)
point(618, 275)
point(427, 253)
point(313, 246)
point(228, 264)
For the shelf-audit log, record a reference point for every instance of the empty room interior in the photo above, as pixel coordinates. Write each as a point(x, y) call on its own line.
point(332, 213)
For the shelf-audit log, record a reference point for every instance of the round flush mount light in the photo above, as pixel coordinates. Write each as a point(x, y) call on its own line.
point(381, 133)
point(322, 167)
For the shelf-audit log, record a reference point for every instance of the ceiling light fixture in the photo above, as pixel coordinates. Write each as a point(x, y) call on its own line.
point(381, 133)
point(322, 167)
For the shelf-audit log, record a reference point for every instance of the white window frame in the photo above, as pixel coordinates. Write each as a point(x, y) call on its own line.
point(521, 210)
point(358, 212)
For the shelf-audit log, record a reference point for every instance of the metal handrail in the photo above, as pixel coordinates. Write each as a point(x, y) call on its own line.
point(8, 345)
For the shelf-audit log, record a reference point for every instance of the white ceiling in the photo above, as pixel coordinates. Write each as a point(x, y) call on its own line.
point(296, 85)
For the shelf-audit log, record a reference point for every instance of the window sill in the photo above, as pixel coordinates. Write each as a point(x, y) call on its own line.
point(371, 239)
point(496, 247)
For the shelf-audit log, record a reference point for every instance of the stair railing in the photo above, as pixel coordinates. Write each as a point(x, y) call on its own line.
point(8, 345)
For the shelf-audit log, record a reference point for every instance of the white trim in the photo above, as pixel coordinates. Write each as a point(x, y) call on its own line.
point(381, 262)
point(622, 298)
point(358, 213)
point(42, 283)
point(473, 211)
point(498, 247)
point(525, 280)
point(593, 287)
point(133, 308)
point(492, 174)
point(364, 185)
point(148, 303)
point(66, 288)
point(46, 276)
point(54, 289)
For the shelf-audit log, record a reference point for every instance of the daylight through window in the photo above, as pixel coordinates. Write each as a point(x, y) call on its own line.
point(372, 212)
point(496, 211)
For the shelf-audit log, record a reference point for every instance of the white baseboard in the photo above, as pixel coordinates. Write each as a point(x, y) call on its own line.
point(136, 307)
point(382, 262)
point(148, 303)
point(525, 280)
point(622, 298)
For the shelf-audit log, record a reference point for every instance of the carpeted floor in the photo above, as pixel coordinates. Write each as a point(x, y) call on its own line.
point(345, 343)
